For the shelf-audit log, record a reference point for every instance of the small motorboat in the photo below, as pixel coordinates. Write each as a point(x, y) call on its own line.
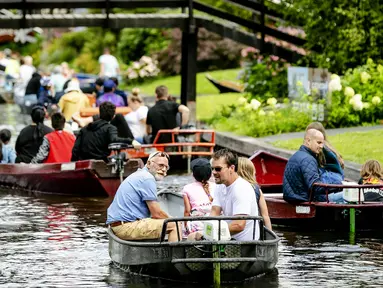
point(195, 261)
point(313, 215)
point(225, 86)
point(86, 112)
point(183, 142)
point(92, 178)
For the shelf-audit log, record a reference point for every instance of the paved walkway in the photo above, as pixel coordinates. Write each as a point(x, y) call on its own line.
point(330, 132)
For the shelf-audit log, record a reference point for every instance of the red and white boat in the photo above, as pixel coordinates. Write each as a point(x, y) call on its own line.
point(92, 178)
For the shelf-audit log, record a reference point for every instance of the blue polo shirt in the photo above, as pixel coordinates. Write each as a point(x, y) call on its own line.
point(129, 202)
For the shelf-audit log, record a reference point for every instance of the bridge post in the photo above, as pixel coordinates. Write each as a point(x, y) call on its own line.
point(189, 65)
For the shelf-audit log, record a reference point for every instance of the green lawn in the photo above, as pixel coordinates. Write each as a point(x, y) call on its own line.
point(203, 85)
point(207, 105)
point(354, 146)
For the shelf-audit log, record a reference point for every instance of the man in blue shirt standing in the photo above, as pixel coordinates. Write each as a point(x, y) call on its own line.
point(135, 213)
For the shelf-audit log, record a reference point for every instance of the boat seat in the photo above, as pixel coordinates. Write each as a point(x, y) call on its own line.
point(146, 240)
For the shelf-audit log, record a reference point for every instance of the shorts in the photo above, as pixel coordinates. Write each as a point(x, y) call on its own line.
point(147, 228)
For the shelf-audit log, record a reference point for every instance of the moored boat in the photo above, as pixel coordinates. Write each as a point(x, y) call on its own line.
point(225, 86)
point(194, 260)
point(313, 215)
point(81, 178)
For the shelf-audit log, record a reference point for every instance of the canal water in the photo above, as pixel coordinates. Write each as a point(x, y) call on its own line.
point(51, 241)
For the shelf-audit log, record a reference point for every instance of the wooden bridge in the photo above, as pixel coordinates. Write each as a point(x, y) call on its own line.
point(222, 23)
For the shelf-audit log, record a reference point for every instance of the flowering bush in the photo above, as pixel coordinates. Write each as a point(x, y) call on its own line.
point(143, 69)
point(256, 119)
point(264, 77)
point(356, 96)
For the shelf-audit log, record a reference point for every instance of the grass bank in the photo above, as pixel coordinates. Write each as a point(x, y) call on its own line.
point(203, 85)
point(207, 105)
point(357, 147)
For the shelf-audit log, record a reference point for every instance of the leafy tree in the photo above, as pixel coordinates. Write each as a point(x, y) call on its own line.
point(344, 32)
point(213, 52)
point(135, 43)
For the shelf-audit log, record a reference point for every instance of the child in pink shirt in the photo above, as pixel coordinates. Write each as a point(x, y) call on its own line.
point(198, 195)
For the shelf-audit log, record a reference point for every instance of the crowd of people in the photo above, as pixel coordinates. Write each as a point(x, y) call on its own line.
point(54, 101)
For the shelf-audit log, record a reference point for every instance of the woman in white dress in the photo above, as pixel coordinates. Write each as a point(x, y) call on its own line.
point(137, 118)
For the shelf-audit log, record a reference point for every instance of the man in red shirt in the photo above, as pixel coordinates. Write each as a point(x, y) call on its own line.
point(57, 145)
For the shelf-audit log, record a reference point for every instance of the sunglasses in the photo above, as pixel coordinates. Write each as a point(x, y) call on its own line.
point(160, 154)
point(217, 169)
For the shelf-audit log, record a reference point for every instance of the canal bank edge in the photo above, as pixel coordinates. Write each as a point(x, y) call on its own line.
point(247, 146)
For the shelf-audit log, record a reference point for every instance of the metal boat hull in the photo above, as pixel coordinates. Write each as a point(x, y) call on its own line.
point(170, 260)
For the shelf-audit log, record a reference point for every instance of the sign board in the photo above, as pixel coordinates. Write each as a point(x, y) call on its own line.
point(310, 81)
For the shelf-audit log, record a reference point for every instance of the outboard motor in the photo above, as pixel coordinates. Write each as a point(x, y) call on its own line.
point(118, 159)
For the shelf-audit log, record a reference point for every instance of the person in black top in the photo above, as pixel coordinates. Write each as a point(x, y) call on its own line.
point(163, 115)
point(31, 137)
point(31, 92)
point(93, 140)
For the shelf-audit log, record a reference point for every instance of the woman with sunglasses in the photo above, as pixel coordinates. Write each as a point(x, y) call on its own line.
point(198, 195)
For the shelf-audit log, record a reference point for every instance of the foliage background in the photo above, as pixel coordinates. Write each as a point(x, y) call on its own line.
point(345, 32)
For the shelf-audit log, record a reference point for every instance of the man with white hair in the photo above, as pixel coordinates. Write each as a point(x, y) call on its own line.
point(135, 213)
point(302, 172)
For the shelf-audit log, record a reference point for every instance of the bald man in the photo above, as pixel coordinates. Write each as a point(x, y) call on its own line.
point(302, 171)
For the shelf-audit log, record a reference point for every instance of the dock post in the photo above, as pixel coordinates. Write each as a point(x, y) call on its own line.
point(352, 226)
point(216, 268)
point(189, 149)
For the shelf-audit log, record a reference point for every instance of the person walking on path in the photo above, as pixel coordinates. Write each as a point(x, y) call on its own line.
point(108, 65)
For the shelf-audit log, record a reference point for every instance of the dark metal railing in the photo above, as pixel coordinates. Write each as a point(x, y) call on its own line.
point(219, 219)
point(360, 188)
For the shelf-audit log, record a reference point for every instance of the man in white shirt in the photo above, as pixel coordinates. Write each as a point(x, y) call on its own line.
point(108, 65)
point(234, 196)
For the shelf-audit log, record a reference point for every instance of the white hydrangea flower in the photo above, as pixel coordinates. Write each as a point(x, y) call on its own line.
point(255, 104)
point(271, 101)
point(375, 100)
point(242, 100)
point(136, 65)
point(270, 113)
point(334, 85)
point(143, 73)
point(349, 92)
point(366, 105)
point(364, 77)
point(358, 105)
point(133, 75)
point(335, 77)
point(358, 97)
point(146, 60)
point(261, 112)
point(248, 106)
